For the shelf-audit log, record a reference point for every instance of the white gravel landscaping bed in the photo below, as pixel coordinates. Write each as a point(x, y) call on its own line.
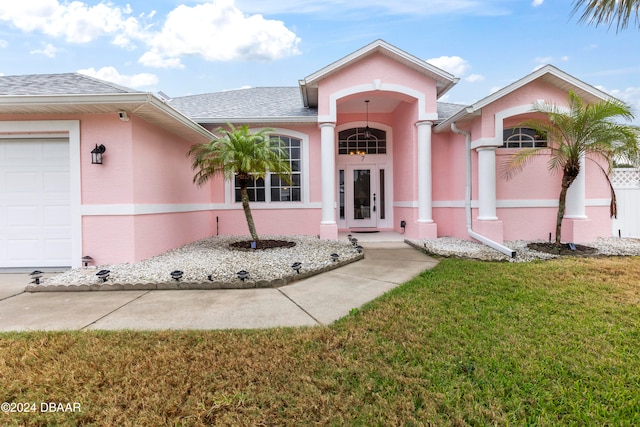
point(213, 257)
point(449, 247)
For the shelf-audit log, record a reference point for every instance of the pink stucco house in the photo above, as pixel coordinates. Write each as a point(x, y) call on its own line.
point(370, 145)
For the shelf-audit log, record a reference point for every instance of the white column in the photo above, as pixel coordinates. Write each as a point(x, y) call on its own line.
point(425, 201)
point(576, 195)
point(328, 159)
point(487, 183)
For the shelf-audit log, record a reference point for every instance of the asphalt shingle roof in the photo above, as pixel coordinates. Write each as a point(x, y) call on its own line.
point(58, 84)
point(259, 102)
point(447, 109)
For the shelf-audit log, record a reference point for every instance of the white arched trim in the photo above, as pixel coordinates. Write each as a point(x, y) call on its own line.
point(374, 86)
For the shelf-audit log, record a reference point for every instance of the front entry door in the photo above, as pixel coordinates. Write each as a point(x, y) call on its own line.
point(362, 198)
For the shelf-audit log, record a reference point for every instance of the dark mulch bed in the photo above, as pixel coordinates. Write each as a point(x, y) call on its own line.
point(261, 244)
point(562, 249)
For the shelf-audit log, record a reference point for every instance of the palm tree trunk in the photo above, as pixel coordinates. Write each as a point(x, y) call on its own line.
point(568, 176)
point(247, 212)
point(562, 206)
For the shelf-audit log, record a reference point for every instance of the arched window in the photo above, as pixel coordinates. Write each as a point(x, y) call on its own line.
point(521, 137)
point(354, 141)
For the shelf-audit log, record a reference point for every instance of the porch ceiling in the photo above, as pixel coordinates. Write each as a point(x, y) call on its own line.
point(377, 104)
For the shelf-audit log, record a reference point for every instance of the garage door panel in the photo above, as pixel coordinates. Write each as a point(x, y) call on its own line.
point(56, 150)
point(56, 182)
point(57, 216)
point(24, 182)
point(22, 152)
point(24, 216)
point(24, 250)
point(54, 248)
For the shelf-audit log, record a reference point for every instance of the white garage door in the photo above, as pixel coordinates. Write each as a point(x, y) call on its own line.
point(35, 214)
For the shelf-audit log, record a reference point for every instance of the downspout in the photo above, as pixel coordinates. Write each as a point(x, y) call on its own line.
point(467, 199)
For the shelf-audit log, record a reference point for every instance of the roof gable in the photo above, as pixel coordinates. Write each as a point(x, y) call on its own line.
point(548, 74)
point(309, 85)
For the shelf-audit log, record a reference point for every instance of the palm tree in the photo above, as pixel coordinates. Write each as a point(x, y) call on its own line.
point(245, 155)
point(588, 130)
point(609, 11)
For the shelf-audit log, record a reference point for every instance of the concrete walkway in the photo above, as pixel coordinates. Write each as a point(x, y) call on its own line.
point(318, 300)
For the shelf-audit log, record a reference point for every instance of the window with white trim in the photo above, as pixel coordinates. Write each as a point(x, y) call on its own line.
point(522, 137)
point(274, 188)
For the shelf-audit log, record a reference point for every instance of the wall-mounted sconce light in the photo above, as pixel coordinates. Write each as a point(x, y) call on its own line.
point(96, 154)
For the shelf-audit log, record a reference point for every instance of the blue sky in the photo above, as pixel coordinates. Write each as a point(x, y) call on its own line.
point(185, 47)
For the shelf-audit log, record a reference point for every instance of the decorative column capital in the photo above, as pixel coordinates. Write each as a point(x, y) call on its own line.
point(327, 124)
point(424, 123)
point(486, 148)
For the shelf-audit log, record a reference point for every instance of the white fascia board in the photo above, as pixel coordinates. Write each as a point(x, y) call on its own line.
point(259, 120)
point(97, 99)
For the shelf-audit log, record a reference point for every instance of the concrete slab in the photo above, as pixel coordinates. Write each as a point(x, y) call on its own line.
point(333, 295)
point(391, 271)
point(60, 310)
point(12, 284)
point(203, 309)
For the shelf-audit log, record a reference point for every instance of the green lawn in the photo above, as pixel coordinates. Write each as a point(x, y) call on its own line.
point(467, 343)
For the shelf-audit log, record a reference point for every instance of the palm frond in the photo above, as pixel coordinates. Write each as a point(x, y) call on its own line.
point(618, 12)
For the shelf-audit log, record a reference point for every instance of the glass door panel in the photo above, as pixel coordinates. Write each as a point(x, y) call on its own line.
point(362, 194)
point(362, 206)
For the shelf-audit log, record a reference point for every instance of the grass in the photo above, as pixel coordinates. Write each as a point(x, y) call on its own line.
point(467, 343)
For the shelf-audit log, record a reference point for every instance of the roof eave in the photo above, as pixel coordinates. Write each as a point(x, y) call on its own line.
point(134, 103)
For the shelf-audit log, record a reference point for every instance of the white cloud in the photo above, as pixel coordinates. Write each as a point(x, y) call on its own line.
point(537, 3)
point(457, 66)
point(74, 21)
point(472, 78)
point(452, 64)
point(110, 74)
point(48, 50)
point(3, 44)
point(156, 60)
point(218, 31)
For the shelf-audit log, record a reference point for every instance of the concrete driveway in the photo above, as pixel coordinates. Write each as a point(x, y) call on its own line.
point(318, 300)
